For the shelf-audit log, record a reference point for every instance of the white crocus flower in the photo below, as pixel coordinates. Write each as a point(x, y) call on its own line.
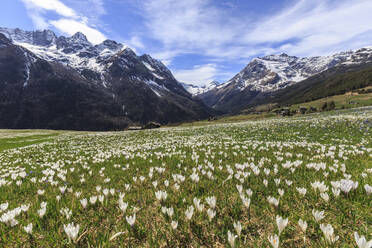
point(273, 201)
point(40, 192)
point(336, 191)
point(368, 189)
point(72, 231)
point(63, 189)
point(84, 202)
point(318, 215)
point(155, 184)
point(123, 205)
point(93, 200)
point(239, 188)
point(131, 219)
point(198, 205)
point(249, 192)
point(189, 212)
point(302, 191)
point(41, 212)
point(170, 211)
point(324, 196)
point(246, 201)
point(105, 192)
point(4, 206)
point(211, 213)
point(328, 233)
point(362, 242)
point(66, 212)
point(161, 195)
point(238, 227)
point(112, 191)
point(28, 228)
point(274, 241)
point(281, 223)
point(281, 192)
point(211, 201)
point(303, 225)
point(231, 239)
point(174, 225)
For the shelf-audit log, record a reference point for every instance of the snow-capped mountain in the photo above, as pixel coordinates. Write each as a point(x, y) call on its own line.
point(197, 90)
point(272, 73)
point(140, 88)
point(77, 52)
point(275, 72)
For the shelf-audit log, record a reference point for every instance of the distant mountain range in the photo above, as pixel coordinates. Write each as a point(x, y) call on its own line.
point(264, 77)
point(197, 90)
point(57, 82)
point(67, 83)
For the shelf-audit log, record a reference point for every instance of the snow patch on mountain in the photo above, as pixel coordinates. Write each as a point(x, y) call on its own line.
point(75, 51)
point(156, 88)
point(197, 90)
point(72, 59)
point(148, 66)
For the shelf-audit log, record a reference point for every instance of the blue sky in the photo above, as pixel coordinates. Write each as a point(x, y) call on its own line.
point(204, 40)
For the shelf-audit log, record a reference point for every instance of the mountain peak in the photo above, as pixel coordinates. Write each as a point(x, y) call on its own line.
point(110, 45)
point(156, 63)
point(79, 37)
point(198, 90)
point(215, 83)
point(39, 37)
point(127, 51)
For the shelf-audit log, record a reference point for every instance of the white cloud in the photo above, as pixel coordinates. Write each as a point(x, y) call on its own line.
point(55, 5)
point(92, 9)
point(38, 20)
point(318, 27)
point(201, 75)
point(188, 26)
point(303, 27)
point(135, 42)
point(70, 21)
point(193, 23)
point(71, 27)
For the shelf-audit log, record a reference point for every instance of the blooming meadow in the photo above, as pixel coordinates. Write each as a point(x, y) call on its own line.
point(281, 182)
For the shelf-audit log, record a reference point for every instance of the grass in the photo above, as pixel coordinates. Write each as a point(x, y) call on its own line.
point(27, 140)
point(190, 162)
point(348, 100)
point(229, 119)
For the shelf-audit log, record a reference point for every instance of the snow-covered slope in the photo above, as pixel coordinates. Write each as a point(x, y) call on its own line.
point(77, 52)
point(197, 90)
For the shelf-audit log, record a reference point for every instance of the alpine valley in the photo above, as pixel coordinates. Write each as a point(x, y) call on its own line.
point(52, 82)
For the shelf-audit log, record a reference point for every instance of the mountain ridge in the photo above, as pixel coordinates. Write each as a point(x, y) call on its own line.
point(137, 89)
point(271, 73)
